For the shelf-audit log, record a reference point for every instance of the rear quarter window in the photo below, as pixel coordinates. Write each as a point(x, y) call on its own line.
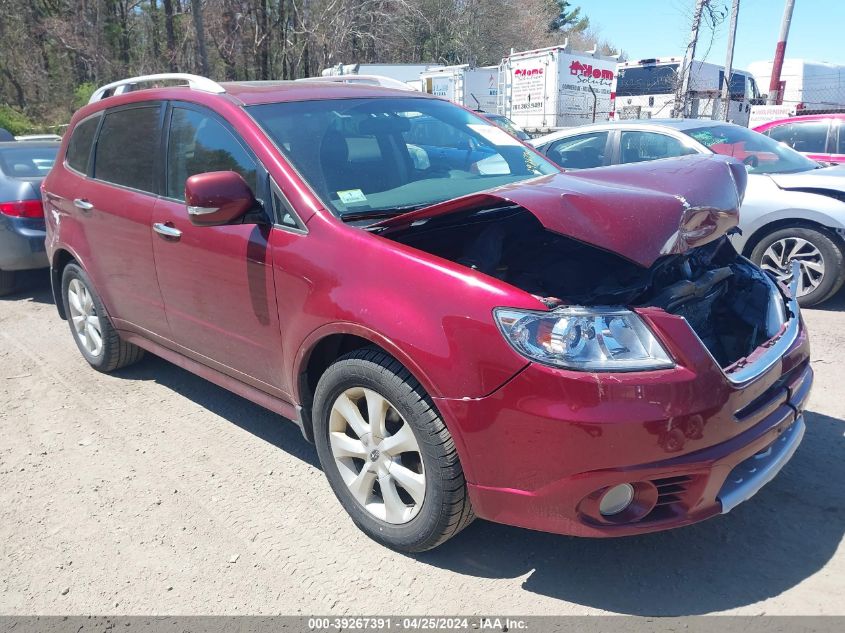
point(79, 147)
point(128, 147)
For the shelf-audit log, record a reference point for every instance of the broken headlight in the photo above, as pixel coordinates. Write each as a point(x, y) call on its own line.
point(588, 339)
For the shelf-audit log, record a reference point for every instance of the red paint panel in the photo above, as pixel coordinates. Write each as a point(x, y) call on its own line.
point(217, 284)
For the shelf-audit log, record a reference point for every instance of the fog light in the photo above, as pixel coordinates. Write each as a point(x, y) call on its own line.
point(616, 499)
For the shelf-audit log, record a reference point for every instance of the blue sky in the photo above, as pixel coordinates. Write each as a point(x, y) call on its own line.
point(658, 28)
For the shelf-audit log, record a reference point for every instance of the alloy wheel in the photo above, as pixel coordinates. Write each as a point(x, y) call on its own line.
point(779, 256)
point(83, 315)
point(377, 455)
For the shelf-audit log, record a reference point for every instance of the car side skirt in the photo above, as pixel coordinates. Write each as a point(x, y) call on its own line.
point(257, 396)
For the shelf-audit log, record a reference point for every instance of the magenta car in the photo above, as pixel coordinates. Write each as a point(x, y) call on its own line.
point(818, 136)
point(584, 354)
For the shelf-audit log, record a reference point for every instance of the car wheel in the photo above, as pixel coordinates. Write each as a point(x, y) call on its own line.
point(94, 334)
point(818, 253)
point(8, 282)
point(387, 454)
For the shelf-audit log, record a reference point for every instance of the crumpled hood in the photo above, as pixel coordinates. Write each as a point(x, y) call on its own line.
point(831, 178)
point(639, 211)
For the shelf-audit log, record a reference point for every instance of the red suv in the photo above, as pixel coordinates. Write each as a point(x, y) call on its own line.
point(462, 329)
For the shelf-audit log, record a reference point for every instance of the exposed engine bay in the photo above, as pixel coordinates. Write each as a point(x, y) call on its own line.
point(731, 305)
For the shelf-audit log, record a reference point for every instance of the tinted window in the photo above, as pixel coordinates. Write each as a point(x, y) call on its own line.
point(646, 80)
point(737, 85)
point(127, 148)
point(27, 162)
point(579, 152)
point(79, 147)
point(198, 144)
point(809, 137)
point(641, 146)
point(840, 149)
point(780, 133)
point(802, 137)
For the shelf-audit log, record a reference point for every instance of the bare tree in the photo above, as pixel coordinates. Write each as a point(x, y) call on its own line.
point(199, 33)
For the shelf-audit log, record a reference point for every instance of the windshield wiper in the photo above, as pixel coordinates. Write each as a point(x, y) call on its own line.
point(379, 214)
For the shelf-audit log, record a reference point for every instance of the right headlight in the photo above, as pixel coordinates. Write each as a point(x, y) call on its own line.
point(587, 339)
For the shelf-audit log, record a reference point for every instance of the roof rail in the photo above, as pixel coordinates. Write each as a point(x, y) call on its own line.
point(195, 82)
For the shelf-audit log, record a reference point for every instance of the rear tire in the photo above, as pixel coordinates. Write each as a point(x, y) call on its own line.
point(818, 251)
point(8, 282)
point(92, 330)
point(414, 495)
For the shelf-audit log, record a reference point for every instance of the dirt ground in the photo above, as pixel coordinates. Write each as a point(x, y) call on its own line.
point(152, 491)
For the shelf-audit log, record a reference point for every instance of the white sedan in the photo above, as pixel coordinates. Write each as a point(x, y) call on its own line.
point(794, 208)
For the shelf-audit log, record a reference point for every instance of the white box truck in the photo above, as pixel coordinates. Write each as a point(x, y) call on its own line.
point(552, 88)
point(808, 87)
point(473, 88)
point(406, 73)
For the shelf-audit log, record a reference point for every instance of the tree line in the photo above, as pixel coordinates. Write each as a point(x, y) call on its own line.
point(54, 53)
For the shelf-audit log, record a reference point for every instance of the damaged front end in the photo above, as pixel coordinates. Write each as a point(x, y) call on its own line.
point(631, 238)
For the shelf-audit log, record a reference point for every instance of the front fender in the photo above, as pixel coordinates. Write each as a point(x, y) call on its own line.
point(759, 213)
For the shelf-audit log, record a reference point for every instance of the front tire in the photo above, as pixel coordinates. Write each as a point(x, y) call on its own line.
point(819, 254)
point(92, 331)
point(388, 457)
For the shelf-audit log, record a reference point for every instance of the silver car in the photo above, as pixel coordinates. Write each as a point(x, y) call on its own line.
point(794, 208)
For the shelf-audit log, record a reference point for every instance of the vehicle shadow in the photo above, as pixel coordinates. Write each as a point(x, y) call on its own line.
point(263, 423)
point(835, 304)
point(785, 534)
point(32, 285)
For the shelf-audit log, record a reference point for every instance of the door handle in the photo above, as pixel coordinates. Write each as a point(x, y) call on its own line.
point(167, 232)
point(82, 204)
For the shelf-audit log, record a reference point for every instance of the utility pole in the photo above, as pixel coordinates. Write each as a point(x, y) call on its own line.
point(780, 51)
point(729, 61)
point(682, 89)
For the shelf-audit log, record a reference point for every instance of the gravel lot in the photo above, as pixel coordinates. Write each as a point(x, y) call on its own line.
point(152, 491)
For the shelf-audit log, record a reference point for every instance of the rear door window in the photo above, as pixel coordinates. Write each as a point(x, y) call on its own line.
point(579, 152)
point(128, 146)
point(79, 147)
point(198, 144)
point(809, 136)
point(637, 147)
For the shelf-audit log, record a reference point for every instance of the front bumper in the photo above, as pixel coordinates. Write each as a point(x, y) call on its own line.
point(540, 451)
point(750, 475)
point(22, 244)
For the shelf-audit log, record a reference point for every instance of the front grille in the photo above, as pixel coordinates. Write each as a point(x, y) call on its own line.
point(671, 493)
point(671, 490)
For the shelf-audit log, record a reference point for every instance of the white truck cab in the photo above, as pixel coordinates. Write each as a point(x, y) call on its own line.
point(645, 89)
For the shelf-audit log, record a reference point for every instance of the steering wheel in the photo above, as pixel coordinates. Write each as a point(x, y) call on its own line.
point(752, 161)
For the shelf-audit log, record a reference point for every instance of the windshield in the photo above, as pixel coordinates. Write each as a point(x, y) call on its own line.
point(376, 155)
point(27, 162)
point(506, 124)
point(760, 153)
